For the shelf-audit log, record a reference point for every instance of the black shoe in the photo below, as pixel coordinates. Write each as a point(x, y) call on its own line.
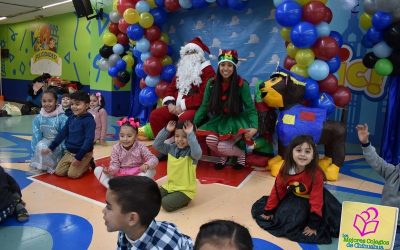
point(92, 164)
point(161, 157)
point(219, 166)
point(238, 166)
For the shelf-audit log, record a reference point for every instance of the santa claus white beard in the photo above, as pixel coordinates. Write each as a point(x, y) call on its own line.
point(189, 72)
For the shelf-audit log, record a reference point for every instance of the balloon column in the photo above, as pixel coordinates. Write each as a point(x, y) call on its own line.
point(313, 50)
point(381, 20)
point(135, 35)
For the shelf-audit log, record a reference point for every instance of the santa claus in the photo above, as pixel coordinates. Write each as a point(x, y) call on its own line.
point(185, 93)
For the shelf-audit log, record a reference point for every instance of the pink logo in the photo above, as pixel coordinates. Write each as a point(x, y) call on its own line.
point(365, 222)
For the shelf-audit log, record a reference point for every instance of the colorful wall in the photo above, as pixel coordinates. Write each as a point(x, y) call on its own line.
point(76, 41)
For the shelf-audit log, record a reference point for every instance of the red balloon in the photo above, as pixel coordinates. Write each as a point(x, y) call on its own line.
point(153, 33)
point(172, 5)
point(159, 49)
point(329, 84)
point(328, 15)
point(122, 25)
point(122, 38)
point(325, 48)
point(113, 28)
point(344, 54)
point(142, 83)
point(117, 83)
point(122, 5)
point(342, 96)
point(289, 62)
point(161, 88)
point(314, 12)
point(152, 66)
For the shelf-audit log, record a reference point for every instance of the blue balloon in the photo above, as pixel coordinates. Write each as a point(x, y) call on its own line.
point(323, 29)
point(159, 15)
point(170, 50)
point(139, 70)
point(168, 72)
point(374, 35)
point(197, 4)
point(381, 20)
point(311, 90)
point(142, 6)
point(318, 70)
point(334, 64)
point(118, 49)
point(303, 35)
point(222, 3)
point(135, 31)
point(120, 65)
point(152, 81)
point(145, 55)
point(148, 97)
point(113, 71)
point(236, 4)
point(186, 4)
point(210, 1)
point(159, 3)
point(288, 13)
point(382, 50)
point(325, 101)
point(136, 53)
point(338, 37)
point(143, 45)
point(366, 42)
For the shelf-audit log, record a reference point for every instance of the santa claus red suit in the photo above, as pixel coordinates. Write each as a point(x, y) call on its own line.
point(185, 93)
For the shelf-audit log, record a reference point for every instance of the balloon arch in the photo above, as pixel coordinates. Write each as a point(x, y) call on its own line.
point(312, 48)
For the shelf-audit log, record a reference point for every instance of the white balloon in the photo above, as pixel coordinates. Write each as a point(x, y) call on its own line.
point(113, 59)
point(370, 6)
point(103, 64)
point(114, 16)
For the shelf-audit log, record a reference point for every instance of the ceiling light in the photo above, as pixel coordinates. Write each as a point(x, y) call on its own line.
point(55, 4)
point(3, 17)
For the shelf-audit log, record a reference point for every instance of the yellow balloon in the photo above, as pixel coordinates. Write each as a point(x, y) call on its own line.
point(291, 50)
point(303, 2)
point(152, 3)
point(323, 1)
point(164, 37)
point(365, 21)
point(129, 61)
point(297, 69)
point(131, 16)
point(109, 39)
point(304, 57)
point(285, 34)
point(146, 20)
point(166, 60)
point(115, 3)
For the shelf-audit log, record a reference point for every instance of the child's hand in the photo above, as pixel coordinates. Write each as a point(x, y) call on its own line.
point(188, 127)
point(250, 132)
point(363, 134)
point(76, 163)
point(267, 217)
point(309, 232)
point(46, 151)
point(171, 126)
point(144, 168)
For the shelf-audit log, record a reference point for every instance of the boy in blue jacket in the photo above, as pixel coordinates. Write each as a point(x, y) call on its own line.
point(78, 134)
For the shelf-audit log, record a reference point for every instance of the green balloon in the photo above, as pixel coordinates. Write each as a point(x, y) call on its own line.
point(383, 67)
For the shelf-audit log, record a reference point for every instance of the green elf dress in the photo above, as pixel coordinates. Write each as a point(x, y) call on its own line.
point(226, 126)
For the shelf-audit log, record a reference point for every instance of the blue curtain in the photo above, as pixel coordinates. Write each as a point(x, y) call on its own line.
point(390, 150)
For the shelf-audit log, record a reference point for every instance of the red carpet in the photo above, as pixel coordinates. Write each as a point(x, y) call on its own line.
point(88, 185)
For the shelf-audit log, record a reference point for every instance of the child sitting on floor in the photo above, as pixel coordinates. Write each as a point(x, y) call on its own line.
point(223, 235)
point(11, 202)
point(96, 108)
point(78, 135)
point(299, 207)
point(183, 156)
point(66, 104)
point(129, 156)
point(45, 127)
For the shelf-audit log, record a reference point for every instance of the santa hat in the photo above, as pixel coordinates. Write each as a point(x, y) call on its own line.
point(195, 44)
point(228, 55)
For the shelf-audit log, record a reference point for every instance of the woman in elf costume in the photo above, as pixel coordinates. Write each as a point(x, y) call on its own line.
point(227, 116)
